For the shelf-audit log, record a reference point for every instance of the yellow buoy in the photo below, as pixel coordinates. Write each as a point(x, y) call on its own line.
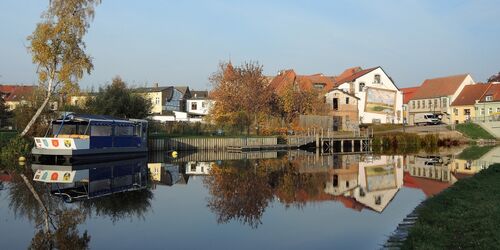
point(22, 159)
point(174, 154)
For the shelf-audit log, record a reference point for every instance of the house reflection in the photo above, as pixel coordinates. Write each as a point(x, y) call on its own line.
point(88, 181)
point(167, 174)
point(4, 177)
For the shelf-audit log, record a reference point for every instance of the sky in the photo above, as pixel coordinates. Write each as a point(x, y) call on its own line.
point(182, 42)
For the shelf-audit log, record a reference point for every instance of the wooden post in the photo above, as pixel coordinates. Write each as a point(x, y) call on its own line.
point(318, 142)
point(341, 145)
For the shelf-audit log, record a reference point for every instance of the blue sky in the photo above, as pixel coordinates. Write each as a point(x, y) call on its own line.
point(182, 42)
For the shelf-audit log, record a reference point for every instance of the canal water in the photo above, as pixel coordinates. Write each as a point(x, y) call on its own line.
point(210, 200)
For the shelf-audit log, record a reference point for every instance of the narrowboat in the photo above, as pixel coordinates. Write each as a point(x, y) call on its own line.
point(79, 138)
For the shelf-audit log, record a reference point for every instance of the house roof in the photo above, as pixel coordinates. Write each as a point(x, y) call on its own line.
point(153, 89)
point(355, 74)
point(441, 86)
point(470, 94)
point(197, 94)
point(16, 92)
point(408, 93)
point(304, 82)
point(182, 89)
point(492, 90)
point(430, 187)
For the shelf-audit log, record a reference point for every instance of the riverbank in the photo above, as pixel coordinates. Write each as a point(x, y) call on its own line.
point(466, 215)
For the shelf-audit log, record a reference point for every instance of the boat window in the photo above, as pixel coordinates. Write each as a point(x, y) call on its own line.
point(100, 130)
point(124, 131)
point(67, 129)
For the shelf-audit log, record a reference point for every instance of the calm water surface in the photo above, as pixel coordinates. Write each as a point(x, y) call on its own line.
point(270, 200)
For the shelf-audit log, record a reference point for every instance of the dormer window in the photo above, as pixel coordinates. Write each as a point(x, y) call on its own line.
point(376, 79)
point(489, 98)
point(319, 85)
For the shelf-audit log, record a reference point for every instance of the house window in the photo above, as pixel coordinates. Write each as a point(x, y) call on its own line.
point(430, 103)
point(489, 98)
point(498, 110)
point(490, 110)
point(203, 104)
point(376, 79)
point(194, 106)
point(418, 104)
point(466, 111)
point(482, 111)
point(347, 100)
point(413, 104)
point(157, 100)
point(435, 103)
point(361, 86)
point(423, 104)
point(455, 111)
point(445, 102)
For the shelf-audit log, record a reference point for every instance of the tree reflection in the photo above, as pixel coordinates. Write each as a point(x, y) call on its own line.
point(120, 205)
point(242, 190)
point(62, 232)
point(238, 193)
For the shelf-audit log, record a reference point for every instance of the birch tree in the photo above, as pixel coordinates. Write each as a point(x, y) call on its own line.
point(58, 49)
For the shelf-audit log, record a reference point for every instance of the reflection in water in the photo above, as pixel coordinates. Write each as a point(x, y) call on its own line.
point(241, 187)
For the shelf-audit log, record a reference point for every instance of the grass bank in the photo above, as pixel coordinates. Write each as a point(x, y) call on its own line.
point(466, 215)
point(473, 131)
point(474, 152)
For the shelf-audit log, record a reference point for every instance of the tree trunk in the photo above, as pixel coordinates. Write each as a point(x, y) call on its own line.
point(40, 109)
point(39, 200)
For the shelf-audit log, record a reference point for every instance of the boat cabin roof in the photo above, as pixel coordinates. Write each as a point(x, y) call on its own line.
point(96, 118)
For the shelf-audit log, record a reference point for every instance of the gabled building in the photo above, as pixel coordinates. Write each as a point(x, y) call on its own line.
point(463, 109)
point(380, 100)
point(488, 106)
point(436, 95)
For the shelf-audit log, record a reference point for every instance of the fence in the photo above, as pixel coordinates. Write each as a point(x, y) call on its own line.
point(185, 144)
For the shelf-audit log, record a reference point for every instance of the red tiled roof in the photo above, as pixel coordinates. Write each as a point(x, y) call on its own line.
point(354, 76)
point(408, 93)
point(470, 94)
point(16, 92)
point(305, 82)
point(492, 90)
point(437, 87)
point(428, 186)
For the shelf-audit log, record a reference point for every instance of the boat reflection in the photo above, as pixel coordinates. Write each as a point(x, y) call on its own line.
point(88, 181)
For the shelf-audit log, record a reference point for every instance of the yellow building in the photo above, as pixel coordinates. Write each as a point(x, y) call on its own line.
point(463, 107)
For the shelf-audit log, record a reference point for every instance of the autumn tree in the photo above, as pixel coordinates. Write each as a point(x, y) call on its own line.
point(241, 94)
point(494, 78)
point(294, 102)
point(118, 100)
point(57, 48)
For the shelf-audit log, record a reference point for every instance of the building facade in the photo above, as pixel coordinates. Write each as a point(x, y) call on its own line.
point(488, 106)
point(436, 95)
point(344, 110)
point(380, 101)
point(463, 109)
point(199, 104)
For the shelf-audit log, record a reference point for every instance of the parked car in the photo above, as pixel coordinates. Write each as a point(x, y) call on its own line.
point(426, 119)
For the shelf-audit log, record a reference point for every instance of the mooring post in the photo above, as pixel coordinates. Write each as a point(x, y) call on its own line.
point(341, 145)
point(352, 146)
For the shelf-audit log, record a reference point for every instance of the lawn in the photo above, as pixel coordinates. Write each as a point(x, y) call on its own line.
point(474, 152)
point(473, 131)
point(465, 216)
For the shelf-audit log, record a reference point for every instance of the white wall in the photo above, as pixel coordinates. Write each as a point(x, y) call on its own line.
point(200, 109)
point(386, 83)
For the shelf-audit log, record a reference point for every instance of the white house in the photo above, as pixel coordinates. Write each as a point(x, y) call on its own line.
point(380, 101)
point(199, 104)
